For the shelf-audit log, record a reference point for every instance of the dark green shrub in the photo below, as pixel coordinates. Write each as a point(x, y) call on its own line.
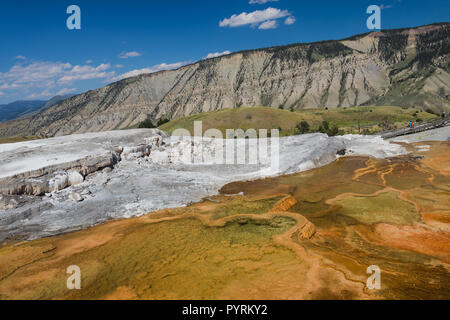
point(430, 111)
point(162, 121)
point(147, 123)
point(303, 127)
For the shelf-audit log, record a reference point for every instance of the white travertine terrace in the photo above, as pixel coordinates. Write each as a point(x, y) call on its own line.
point(142, 180)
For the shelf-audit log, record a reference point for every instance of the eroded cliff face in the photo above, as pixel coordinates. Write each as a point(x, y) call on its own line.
point(408, 67)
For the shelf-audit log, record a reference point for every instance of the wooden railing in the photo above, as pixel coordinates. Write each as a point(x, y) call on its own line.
point(420, 128)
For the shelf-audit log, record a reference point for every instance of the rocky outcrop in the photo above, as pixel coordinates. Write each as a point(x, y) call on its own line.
point(407, 67)
point(55, 178)
point(284, 204)
point(75, 197)
point(307, 231)
point(52, 178)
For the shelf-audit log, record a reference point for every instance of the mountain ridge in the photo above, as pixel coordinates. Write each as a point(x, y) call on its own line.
point(12, 110)
point(406, 67)
point(23, 108)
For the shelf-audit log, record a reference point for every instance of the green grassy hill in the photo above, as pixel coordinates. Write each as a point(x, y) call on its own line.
point(372, 119)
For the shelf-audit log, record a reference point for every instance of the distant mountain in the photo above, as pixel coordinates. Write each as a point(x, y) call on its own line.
point(23, 108)
point(404, 67)
point(51, 102)
point(15, 109)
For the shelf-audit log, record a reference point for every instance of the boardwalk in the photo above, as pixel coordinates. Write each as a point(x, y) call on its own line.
point(423, 127)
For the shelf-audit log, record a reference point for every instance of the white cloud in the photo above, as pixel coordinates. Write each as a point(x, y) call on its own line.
point(89, 61)
point(271, 24)
point(19, 57)
point(290, 20)
point(43, 94)
point(261, 1)
point(33, 74)
point(7, 86)
point(1, 93)
point(131, 54)
point(389, 6)
point(43, 78)
point(118, 66)
point(254, 18)
point(49, 93)
point(216, 54)
point(156, 68)
point(87, 72)
point(64, 91)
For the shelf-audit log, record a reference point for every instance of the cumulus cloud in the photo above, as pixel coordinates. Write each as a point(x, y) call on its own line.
point(89, 61)
point(9, 86)
point(131, 54)
point(254, 18)
point(216, 54)
point(19, 57)
point(42, 78)
point(156, 68)
point(262, 1)
point(86, 73)
point(1, 93)
point(290, 20)
point(33, 74)
point(271, 24)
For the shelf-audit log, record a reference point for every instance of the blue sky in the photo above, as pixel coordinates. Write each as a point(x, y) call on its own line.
point(40, 57)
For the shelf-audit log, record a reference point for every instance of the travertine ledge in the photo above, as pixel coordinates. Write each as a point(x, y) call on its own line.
point(39, 167)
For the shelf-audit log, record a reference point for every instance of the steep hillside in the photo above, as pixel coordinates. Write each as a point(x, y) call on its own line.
point(407, 67)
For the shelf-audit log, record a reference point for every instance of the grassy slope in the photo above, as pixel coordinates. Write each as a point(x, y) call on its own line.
point(270, 118)
point(16, 139)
